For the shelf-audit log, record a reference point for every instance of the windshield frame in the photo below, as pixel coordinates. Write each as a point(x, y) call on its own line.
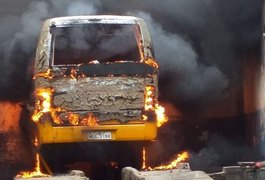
point(136, 31)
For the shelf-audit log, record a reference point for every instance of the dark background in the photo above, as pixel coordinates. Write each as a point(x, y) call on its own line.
point(209, 56)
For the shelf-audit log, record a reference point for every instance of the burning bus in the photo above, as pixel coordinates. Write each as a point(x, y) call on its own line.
point(95, 79)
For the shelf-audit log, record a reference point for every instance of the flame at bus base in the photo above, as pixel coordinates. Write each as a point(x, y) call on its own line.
point(181, 157)
point(35, 173)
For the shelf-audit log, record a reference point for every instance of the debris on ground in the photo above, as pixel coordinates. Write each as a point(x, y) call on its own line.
point(72, 175)
point(244, 170)
point(129, 173)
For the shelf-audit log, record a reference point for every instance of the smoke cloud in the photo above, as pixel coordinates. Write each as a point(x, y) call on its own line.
point(221, 152)
point(177, 57)
point(19, 39)
point(217, 35)
point(197, 44)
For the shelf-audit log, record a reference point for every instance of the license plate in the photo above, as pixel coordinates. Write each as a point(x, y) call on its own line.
point(101, 135)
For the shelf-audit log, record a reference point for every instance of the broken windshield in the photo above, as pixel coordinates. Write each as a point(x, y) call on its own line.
point(95, 43)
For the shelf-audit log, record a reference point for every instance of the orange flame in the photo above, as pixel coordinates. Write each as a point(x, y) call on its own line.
point(35, 173)
point(73, 74)
point(152, 63)
point(160, 114)
point(173, 164)
point(144, 117)
point(149, 97)
point(144, 159)
point(36, 142)
point(73, 119)
point(37, 170)
point(48, 74)
point(150, 104)
point(43, 105)
point(90, 120)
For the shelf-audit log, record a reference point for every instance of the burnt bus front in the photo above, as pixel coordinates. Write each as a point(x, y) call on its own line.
point(95, 79)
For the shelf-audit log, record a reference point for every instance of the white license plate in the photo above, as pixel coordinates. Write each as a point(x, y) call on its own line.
point(101, 135)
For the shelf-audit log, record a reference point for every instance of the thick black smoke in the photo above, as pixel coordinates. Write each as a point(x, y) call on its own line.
point(217, 35)
point(190, 79)
point(221, 152)
point(18, 38)
point(198, 44)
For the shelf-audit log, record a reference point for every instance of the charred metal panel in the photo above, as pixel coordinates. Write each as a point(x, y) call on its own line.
point(104, 94)
point(121, 115)
point(43, 50)
point(108, 98)
point(41, 82)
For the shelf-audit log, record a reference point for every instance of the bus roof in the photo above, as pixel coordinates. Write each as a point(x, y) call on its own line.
point(104, 19)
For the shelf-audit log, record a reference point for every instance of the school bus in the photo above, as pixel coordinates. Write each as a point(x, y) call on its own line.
point(95, 79)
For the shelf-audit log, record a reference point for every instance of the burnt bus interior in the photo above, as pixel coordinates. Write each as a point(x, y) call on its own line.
point(95, 43)
point(99, 50)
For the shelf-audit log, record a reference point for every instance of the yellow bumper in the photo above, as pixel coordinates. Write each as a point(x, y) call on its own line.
point(69, 134)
